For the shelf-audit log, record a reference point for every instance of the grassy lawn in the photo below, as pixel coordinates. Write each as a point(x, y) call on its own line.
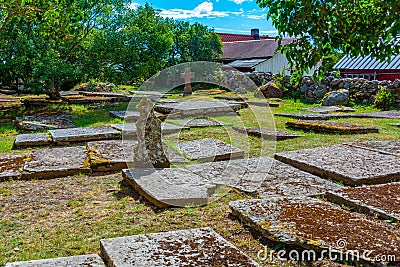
point(68, 216)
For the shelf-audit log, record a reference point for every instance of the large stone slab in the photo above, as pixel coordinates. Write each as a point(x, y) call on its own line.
point(263, 104)
point(351, 165)
point(391, 114)
point(316, 225)
point(129, 129)
point(232, 97)
point(40, 123)
point(170, 187)
point(381, 200)
point(148, 93)
point(129, 115)
point(92, 260)
point(263, 177)
point(199, 108)
point(84, 134)
point(173, 156)
point(195, 247)
point(330, 127)
point(268, 134)
point(31, 140)
point(395, 125)
point(56, 162)
point(111, 155)
point(328, 109)
point(312, 116)
point(10, 166)
point(209, 149)
point(200, 123)
point(385, 147)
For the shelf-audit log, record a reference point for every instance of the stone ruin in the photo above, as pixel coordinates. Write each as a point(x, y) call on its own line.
point(149, 153)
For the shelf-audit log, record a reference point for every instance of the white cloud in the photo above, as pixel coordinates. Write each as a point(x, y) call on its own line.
point(240, 1)
point(240, 12)
point(133, 5)
point(256, 16)
point(205, 9)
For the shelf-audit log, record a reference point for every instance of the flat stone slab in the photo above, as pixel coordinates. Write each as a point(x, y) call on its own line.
point(312, 116)
point(390, 114)
point(267, 134)
point(173, 156)
point(384, 147)
point(381, 200)
point(40, 123)
point(84, 134)
point(263, 177)
point(328, 109)
point(209, 149)
point(10, 166)
point(330, 127)
point(170, 187)
point(317, 225)
point(351, 165)
point(148, 93)
point(111, 155)
point(231, 97)
point(263, 104)
point(199, 123)
point(195, 247)
point(92, 260)
point(31, 140)
point(129, 129)
point(56, 162)
point(127, 115)
point(395, 124)
point(199, 108)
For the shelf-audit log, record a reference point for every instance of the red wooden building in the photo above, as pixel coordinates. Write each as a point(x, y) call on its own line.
point(369, 68)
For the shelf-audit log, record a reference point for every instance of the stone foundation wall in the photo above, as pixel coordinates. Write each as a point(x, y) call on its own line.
point(360, 90)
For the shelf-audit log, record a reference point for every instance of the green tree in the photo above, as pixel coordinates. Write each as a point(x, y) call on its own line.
point(193, 42)
point(42, 40)
point(325, 27)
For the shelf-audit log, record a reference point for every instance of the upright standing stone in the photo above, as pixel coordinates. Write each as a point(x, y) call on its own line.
point(149, 153)
point(187, 75)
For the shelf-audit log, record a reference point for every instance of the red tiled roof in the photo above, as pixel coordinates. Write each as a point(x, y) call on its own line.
point(252, 49)
point(230, 37)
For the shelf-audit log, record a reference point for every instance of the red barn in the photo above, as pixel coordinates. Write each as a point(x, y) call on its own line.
point(369, 68)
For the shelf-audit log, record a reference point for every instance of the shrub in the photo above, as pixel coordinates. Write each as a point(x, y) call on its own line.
point(384, 98)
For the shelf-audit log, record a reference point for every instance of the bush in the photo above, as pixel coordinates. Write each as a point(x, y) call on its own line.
point(384, 98)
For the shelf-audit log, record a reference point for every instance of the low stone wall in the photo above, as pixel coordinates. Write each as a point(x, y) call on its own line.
point(360, 90)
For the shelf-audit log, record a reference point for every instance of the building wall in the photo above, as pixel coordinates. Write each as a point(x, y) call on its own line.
point(278, 64)
point(275, 65)
point(380, 75)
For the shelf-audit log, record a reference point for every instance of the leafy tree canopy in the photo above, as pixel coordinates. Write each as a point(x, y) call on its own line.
point(50, 43)
point(325, 27)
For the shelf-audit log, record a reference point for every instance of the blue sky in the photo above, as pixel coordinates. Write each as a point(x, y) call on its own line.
point(230, 16)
